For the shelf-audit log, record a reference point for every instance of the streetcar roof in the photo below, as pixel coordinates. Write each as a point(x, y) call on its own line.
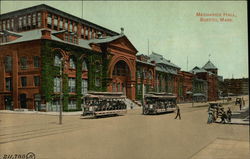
point(160, 96)
point(105, 96)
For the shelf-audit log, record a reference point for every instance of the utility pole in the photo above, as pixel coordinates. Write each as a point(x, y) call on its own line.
point(148, 47)
point(61, 94)
point(82, 9)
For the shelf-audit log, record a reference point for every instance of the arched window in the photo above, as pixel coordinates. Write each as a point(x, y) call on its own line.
point(8, 63)
point(58, 60)
point(84, 66)
point(72, 63)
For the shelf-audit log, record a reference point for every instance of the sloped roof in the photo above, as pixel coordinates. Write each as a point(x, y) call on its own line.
point(37, 34)
point(106, 40)
point(209, 65)
point(30, 35)
point(111, 39)
point(161, 68)
point(197, 69)
point(160, 59)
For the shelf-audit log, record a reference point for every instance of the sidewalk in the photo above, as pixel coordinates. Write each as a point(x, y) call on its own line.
point(78, 113)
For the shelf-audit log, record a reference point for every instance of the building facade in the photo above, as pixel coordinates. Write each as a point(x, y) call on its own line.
point(238, 86)
point(50, 58)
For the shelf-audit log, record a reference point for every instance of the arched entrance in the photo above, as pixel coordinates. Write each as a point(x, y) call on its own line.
point(120, 77)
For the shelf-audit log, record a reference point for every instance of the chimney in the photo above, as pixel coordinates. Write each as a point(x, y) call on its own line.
point(122, 30)
point(46, 34)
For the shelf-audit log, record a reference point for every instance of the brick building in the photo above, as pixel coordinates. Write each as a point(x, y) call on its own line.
point(238, 86)
point(46, 53)
point(208, 73)
point(50, 58)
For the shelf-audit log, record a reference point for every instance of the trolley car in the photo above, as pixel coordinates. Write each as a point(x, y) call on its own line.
point(104, 103)
point(156, 103)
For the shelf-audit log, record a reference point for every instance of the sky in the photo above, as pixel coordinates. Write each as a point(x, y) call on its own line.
point(170, 28)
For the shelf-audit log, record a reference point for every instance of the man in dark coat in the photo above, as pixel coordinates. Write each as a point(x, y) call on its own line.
point(178, 112)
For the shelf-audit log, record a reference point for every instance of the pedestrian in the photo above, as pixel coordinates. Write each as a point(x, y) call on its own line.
point(243, 101)
point(223, 117)
point(131, 105)
point(210, 117)
point(240, 104)
point(178, 114)
point(229, 115)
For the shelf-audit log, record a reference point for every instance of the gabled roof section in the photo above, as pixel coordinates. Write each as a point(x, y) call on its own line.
point(197, 69)
point(112, 39)
point(209, 65)
point(160, 59)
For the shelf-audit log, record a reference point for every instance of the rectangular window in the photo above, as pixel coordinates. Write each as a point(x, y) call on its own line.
point(66, 38)
point(24, 21)
point(55, 20)
point(36, 62)
point(139, 88)
point(8, 63)
point(72, 84)
point(24, 81)
point(75, 28)
point(1, 28)
point(66, 25)
point(75, 40)
point(39, 19)
point(23, 62)
point(29, 20)
point(72, 104)
point(61, 23)
point(8, 84)
point(114, 87)
point(12, 24)
point(8, 24)
point(57, 84)
point(70, 38)
point(36, 80)
point(55, 105)
point(4, 25)
point(70, 26)
point(84, 86)
point(49, 19)
point(34, 19)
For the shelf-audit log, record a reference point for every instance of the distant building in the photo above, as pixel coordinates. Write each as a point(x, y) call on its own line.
point(236, 86)
point(166, 74)
point(208, 73)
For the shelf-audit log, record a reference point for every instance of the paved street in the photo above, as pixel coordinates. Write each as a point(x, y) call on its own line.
point(130, 136)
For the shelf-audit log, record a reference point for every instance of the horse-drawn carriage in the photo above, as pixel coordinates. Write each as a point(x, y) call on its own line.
point(104, 103)
point(216, 111)
point(159, 103)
